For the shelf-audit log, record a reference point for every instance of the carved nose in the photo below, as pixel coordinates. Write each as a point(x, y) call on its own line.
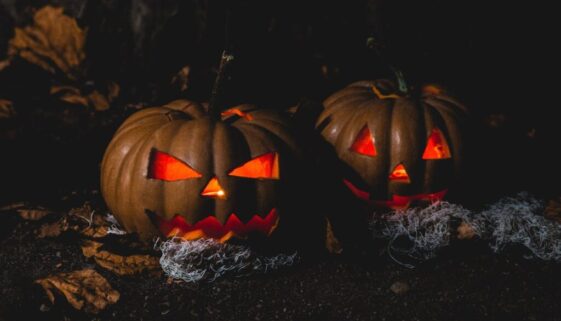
point(213, 189)
point(399, 174)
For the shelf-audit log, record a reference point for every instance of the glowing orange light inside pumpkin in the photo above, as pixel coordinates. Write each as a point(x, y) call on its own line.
point(169, 168)
point(400, 174)
point(437, 147)
point(264, 166)
point(236, 111)
point(364, 143)
point(213, 189)
point(432, 90)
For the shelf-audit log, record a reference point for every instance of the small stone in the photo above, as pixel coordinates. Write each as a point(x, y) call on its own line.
point(465, 231)
point(399, 287)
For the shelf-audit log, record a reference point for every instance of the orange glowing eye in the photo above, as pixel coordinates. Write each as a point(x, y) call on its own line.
point(437, 147)
point(364, 143)
point(168, 168)
point(264, 166)
point(399, 174)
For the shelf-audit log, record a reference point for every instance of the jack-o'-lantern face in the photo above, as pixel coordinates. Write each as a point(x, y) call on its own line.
point(174, 169)
point(398, 151)
point(168, 168)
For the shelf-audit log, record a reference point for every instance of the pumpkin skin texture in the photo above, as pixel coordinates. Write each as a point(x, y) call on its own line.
point(209, 190)
point(395, 150)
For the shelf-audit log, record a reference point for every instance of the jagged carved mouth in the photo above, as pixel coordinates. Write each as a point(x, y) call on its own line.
point(210, 227)
point(397, 201)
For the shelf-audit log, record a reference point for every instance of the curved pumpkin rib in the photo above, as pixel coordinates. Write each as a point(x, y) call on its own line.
point(191, 108)
point(348, 132)
point(452, 119)
point(347, 91)
point(114, 171)
point(433, 119)
point(156, 117)
point(348, 98)
point(276, 130)
point(343, 114)
point(124, 180)
point(257, 140)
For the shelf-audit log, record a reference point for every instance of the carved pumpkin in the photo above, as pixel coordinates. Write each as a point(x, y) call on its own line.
point(398, 150)
point(177, 170)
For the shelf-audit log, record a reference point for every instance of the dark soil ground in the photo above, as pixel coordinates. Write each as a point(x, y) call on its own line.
point(466, 282)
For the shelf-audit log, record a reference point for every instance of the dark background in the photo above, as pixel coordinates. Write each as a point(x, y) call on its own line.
point(498, 58)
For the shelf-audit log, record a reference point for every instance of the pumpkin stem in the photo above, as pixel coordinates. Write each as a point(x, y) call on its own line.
point(215, 104)
point(377, 47)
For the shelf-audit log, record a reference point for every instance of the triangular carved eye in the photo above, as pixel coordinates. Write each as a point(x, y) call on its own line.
point(264, 166)
point(437, 147)
point(168, 168)
point(364, 143)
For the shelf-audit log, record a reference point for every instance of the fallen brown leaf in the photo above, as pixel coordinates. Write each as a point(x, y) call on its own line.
point(5, 64)
point(95, 231)
point(12, 206)
point(98, 101)
point(118, 264)
point(331, 242)
point(51, 230)
point(6, 109)
point(70, 95)
point(553, 210)
point(181, 79)
point(31, 214)
point(90, 248)
point(95, 99)
point(85, 289)
point(53, 42)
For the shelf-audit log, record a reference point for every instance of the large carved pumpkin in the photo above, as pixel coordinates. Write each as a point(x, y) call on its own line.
point(176, 169)
point(397, 149)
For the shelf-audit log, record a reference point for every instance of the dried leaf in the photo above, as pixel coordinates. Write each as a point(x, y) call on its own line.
point(5, 64)
point(113, 90)
point(51, 229)
point(332, 244)
point(6, 109)
point(85, 289)
point(12, 206)
point(553, 210)
point(70, 95)
point(31, 214)
point(118, 264)
point(98, 101)
point(54, 42)
point(181, 79)
point(90, 248)
point(95, 99)
point(95, 231)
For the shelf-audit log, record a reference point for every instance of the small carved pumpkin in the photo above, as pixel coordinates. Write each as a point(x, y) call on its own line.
point(176, 169)
point(398, 150)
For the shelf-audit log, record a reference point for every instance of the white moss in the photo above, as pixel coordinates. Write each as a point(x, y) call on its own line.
point(420, 232)
point(207, 260)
